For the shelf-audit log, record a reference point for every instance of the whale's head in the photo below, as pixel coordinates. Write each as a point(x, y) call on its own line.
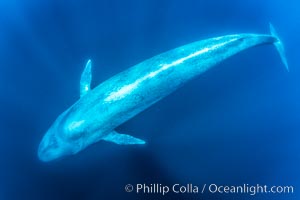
point(56, 143)
point(51, 147)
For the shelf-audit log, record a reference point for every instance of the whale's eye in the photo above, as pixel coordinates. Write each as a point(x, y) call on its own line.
point(241, 39)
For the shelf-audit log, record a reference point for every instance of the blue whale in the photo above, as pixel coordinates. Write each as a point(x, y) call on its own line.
point(99, 111)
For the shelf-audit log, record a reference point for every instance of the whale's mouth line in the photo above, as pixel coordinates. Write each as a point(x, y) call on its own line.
point(49, 146)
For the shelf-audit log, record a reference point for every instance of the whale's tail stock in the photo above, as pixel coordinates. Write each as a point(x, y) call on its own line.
point(279, 46)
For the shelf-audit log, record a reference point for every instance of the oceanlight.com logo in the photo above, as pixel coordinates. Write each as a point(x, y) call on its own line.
point(157, 188)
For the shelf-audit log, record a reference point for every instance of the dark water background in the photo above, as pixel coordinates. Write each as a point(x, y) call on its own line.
point(238, 123)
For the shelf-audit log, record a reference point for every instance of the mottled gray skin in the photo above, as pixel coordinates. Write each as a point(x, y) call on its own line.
point(118, 99)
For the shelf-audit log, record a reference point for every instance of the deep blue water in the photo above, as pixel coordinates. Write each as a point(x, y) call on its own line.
point(238, 123)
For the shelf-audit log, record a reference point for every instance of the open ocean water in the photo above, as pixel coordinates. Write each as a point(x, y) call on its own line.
point(237, 124)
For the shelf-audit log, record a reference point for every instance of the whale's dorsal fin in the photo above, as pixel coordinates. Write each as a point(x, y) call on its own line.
point(86, 78)
point(122, 139)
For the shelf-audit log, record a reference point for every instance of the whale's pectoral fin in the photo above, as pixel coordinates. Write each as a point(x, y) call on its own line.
point(122, 139)
point(86, 78)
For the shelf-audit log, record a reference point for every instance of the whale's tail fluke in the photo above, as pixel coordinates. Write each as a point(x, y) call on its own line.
point(279, 46)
